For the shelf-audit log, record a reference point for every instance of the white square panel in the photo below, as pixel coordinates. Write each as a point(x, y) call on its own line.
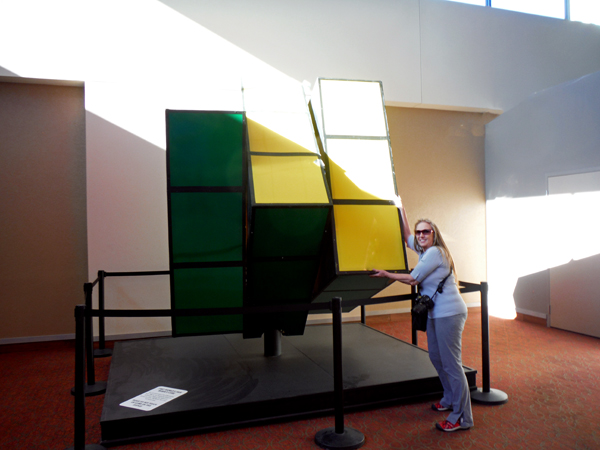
point(361, 169)
point(353, 108)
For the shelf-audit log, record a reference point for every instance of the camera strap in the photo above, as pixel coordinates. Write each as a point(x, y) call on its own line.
point(440, 287)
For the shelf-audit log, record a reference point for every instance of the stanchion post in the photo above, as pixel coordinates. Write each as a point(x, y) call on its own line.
point(485, 339)
point(101, 337)
point(79, 414)
point(101, 351)
point(338, 437)
point(89, 336)
point(338, 372)
point(486, 394)
point(92, 387)
point(363, 314)
point(415, 339)
point(79, 378)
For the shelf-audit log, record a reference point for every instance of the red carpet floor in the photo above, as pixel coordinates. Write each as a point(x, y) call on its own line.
point(552, 378)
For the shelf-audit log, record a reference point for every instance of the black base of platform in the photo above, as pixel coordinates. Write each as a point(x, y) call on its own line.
point(230, 383)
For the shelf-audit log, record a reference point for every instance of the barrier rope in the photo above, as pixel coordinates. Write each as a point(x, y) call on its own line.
point(333, 436)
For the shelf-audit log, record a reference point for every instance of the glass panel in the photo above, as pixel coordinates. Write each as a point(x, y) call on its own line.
point(281, 133)
point(205, 149)
point(368, 237)
point(208, 288)
point(279, 283)
point(290, 324)
point(282, 282)
point(357, 282)
point(325, 297)
point(206, 226)
point(586, 11)
point(353, 108)
point(549, 8)
point(360, 169)
point(288, 231)
point(288, 179)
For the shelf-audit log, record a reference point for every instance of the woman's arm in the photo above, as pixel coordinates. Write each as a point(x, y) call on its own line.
point(405, 278)
point(405, 225)
point(431, 259)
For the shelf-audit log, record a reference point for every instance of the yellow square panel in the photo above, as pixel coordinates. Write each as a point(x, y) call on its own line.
point(368, 237)
point(360, 169)
point(288, 179)
point(353, 108)
point(275, 132)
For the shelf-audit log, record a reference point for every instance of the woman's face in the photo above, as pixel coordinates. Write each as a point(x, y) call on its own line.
point(424, 235)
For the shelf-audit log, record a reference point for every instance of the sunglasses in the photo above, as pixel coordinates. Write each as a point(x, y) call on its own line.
point(423, 232)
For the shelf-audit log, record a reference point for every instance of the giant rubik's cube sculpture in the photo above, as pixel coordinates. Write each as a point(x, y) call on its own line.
point(282, 206)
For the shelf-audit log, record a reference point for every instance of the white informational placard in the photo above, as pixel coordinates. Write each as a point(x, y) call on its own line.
point(153, 398)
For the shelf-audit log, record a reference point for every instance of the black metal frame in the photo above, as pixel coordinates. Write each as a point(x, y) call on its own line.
point(270, 342)
point(322, 145)
point(80, 386)
point(337, 437)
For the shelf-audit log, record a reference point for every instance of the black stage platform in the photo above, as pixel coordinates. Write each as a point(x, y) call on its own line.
point(230, 383)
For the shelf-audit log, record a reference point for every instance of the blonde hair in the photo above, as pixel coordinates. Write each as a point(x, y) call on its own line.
point(438, 241)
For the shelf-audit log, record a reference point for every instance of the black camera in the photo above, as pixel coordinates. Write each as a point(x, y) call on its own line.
point(422, 303)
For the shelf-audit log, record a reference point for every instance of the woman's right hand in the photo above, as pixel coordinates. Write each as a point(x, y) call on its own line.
point(379, 274)
point(405, 225)
point(405, 278)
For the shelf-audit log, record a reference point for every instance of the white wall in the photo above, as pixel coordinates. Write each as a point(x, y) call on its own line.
point(483, 57)
point(138, 57)
point(426, 52)
point(554, 132)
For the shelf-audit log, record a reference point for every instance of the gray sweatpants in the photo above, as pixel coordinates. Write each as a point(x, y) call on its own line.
point(444, 340)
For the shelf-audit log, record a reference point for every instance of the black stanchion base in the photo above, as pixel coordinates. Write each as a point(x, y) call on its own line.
point(102, 352)
point(494, 397)
point(348, 440)
point(89, 447)
point(90, 390)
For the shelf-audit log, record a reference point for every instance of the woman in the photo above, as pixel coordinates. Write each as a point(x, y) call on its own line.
point(445, 321)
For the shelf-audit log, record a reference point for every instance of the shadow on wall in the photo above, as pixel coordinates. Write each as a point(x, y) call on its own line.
point(532, 294)
point(569, 292)
point(6, 73)
point(127, 222)
point(575, 296)
point(552, 136)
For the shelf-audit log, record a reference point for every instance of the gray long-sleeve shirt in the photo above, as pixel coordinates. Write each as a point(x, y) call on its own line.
point(430, 270)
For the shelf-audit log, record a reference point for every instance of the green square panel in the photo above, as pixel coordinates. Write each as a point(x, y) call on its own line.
point(206, 227)
point(213, 287)
point(288, 231)
point(205, 148)
point(279, 283)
